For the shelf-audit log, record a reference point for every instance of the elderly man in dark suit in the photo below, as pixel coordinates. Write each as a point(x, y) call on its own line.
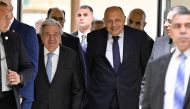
point(59, 73)
point(117, 56)
point(15, 67)
point(167, 84)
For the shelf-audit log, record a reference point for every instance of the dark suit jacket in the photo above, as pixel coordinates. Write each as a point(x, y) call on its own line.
point(73, 42)
point(75, 33)
point(155, 81)
point(66, 89)
point(30, 41)
point(127, 82)
point(17, 60)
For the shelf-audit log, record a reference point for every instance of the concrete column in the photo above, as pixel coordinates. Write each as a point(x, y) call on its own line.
point(74, 6)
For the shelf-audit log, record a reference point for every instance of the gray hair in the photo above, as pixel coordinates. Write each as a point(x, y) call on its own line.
point(49, 22)
point(178, 9)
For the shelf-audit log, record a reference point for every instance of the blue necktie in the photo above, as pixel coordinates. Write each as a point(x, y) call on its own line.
point(116, 53)
point(49, 66)
point(83, 44)
point(179, 94)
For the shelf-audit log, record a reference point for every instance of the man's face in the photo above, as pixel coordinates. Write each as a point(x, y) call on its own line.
point(180, 31)
point(58, 15)
point(114, 21)
point(136, 21)
point(168, 21)
point(51, 37)
point(84, 18)
point(5, 18)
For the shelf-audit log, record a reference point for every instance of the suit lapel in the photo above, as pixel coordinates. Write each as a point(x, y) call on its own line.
point(127, 45)
point(7, 47)
point(103, 48)
point(60, 65)
point(162, 75)
point(42, 64)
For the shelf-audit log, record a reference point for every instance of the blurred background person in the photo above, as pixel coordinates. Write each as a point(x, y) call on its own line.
point(38, 25)
point(164, 44)
point(136, 19)
point(97, 24)
point(84, 19)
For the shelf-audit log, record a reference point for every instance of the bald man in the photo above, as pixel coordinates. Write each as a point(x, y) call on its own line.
point(136, 19)
point(115, 82)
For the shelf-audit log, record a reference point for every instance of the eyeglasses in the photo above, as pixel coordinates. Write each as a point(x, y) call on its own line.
point(61, 19)
point(168, 20)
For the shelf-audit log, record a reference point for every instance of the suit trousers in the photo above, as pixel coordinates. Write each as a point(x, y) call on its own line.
point(8, 101)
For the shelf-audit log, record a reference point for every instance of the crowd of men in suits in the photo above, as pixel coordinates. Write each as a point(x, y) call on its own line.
point(113, 67)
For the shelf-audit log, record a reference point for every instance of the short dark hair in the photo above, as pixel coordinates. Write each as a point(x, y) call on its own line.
point(86, 7)
point(50, 10)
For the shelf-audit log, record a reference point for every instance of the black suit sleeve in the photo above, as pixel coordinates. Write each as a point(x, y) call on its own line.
point(146, 49)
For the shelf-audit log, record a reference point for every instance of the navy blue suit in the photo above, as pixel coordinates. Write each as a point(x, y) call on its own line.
point(17, 60)
point(30, 41)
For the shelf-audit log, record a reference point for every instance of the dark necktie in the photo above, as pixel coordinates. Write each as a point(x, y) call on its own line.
point(116, 53)
point(179, 94)
point(49, 66)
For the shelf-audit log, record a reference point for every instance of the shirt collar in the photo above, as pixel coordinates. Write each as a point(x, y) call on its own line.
point(121, 35)
point(186, 53)
point(56, 52)
point(80, 33)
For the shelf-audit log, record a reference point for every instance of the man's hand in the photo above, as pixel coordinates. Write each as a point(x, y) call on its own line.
point(13, 77)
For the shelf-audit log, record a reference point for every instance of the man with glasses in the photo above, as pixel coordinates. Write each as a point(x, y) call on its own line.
point(164, 44)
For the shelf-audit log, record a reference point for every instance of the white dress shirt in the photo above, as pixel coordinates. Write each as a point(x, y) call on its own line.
point(171, 76)
point(109, 53)
point(54, 59)
point(4, 68)
point(80, 36)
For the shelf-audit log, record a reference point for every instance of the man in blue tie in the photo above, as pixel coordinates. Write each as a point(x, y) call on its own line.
point(58, 84)
point(167, 84)
point(117, 56)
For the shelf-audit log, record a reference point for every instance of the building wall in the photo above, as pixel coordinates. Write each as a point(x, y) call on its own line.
point(37, 9)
